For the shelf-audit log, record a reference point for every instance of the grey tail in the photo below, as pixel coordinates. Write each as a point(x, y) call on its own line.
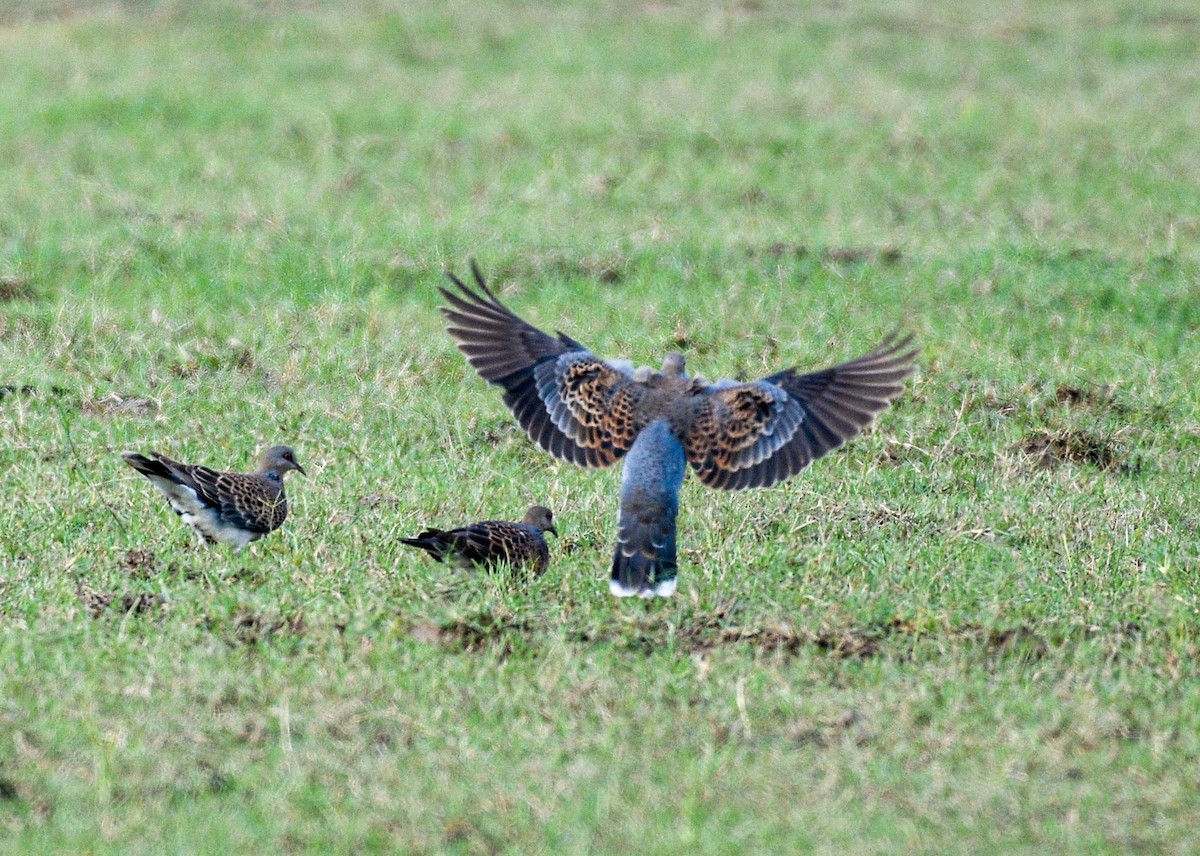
point(644, 562)
point(148, 468)
point(642, 575)
point(432, 541)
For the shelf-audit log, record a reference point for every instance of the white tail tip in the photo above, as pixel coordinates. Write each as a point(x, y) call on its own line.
point(664, 589)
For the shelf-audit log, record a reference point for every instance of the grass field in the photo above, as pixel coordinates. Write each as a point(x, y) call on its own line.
point(974, 630)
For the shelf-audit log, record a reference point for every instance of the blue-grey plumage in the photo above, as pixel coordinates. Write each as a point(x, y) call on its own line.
point(644, 562)
point(734, 434)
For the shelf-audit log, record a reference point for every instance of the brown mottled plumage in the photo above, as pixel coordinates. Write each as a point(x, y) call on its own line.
point(735, 435)
point(231, 508)
point(492, 542)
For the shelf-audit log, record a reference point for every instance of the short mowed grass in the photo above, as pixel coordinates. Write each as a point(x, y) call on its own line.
point(973, 630)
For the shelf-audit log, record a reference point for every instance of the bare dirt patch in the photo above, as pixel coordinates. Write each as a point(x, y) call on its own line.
point(1093, 397)
point(12, 389)
point(15, 288)
point(500, 433)
point(1018, 640)
point(380, 500)
point(8, 791)
point(114, 404)
point(830, 731)
point(770, 639)
point(251, 628)
point(504, 634)
point(138, 563)
point(476, 633)
point(98, 603)
point(845, 643)
point(607, 269)
point(1050, 449)
point(28, 390)
point(832, 255)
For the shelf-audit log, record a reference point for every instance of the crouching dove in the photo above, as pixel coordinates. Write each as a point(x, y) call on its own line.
point(491, 542)
point(583, 409)
point(231, 508)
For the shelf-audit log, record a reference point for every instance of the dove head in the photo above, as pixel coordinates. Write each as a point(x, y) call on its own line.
point(278, 460)
point(541, 517)
point(673, 365)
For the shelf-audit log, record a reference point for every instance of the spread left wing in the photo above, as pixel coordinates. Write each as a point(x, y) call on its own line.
point(571, 403)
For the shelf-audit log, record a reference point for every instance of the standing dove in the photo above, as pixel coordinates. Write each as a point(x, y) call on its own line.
point(231, 508)
point(583, 409)
point(492, 542)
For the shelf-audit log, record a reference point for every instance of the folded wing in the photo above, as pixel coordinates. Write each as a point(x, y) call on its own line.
point(241, 500)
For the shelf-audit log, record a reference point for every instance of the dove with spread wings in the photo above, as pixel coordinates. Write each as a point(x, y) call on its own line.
point(592, 412)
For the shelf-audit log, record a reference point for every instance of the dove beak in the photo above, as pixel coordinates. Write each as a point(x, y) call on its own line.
point(552, 530)
point(301, 470)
